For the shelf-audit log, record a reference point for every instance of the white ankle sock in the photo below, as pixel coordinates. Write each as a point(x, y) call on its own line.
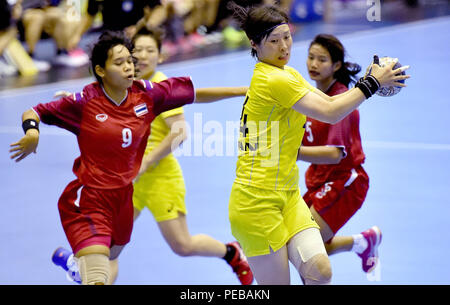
point(359, 243)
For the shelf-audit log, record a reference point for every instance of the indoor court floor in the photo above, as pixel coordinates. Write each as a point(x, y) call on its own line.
point(406, 140)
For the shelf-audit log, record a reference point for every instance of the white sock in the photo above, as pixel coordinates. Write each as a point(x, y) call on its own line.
point(73, 272)
point(359, 243)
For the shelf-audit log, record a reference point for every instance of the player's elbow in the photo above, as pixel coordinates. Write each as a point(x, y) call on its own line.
point(327, 116)
point(336, 156)
point(332, 114)
point(327, 113)
point(30, 114)
point(182, 135)
point(179, 135)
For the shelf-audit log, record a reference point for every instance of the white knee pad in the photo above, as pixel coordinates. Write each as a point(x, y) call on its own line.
point(307, 253)
point(94, 269)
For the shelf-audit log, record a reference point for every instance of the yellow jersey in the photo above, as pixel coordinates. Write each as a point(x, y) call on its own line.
point(159, 128)
point(161, 188)
point(271, 131)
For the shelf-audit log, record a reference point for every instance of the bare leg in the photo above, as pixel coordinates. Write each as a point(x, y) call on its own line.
point(210, 12)
point(60, 26)
point(333, 244)
point(55, 26)
point(176, 233)
point(114, 257)
point(271, 269)
point(114, 263)
point(339, 244)
point(33, 22)
point(114, 269)
point(195, 17)
point(5, 37)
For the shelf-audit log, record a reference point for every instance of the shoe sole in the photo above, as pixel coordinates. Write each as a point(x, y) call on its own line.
point(378, 235)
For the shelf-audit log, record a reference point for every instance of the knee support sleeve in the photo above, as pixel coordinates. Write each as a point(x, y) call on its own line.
point(94, 269)
point(317, 270)
point(307, 253)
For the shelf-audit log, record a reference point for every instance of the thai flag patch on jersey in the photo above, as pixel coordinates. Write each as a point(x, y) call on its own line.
point(140, 109)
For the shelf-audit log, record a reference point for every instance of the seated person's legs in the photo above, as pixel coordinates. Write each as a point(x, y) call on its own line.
point(33, 21)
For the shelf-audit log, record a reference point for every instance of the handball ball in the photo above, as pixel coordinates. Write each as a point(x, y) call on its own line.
point(391, 90)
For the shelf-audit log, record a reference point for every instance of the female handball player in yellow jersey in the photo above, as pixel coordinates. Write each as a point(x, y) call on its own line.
point(267, 214)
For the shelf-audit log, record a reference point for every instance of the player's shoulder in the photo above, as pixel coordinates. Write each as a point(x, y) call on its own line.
point(141, 85)
point(89, 92)
point(283, 75)
point(291, 70)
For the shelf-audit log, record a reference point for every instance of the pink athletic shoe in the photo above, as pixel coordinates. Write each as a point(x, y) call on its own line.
point(370, 255)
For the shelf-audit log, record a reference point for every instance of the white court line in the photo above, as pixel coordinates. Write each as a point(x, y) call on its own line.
point(35, 90)
point(52, 131)
point(223, 58)
point(405, 145)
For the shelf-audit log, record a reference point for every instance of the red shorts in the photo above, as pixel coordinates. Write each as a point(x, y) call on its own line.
point(335, 202)
point(94, 216)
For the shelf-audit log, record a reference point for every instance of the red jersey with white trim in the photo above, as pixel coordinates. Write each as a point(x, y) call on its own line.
point(343, 134)
point(112, 138)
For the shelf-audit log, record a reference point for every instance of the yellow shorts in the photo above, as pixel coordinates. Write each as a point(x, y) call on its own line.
point(264, 219)
point(162, 190)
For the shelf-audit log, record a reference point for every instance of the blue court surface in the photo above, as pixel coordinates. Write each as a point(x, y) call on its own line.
point(406, 140)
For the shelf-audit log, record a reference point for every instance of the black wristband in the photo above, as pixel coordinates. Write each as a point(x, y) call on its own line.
point(368, 85)
point(30, 124)
point(374, 82)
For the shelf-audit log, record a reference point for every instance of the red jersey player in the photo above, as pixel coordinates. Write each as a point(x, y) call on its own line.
point(111, 119)
point(336, 182)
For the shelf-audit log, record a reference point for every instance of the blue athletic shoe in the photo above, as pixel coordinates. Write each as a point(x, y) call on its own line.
point(64, 258)
point(60, 257)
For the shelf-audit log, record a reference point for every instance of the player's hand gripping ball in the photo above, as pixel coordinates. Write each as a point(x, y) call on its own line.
point(391, 90)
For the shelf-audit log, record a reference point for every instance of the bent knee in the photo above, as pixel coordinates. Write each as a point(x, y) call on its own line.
point(317, 270)
point(33, 16)
point(94, 269)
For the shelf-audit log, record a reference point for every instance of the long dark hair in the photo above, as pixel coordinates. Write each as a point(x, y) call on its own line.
point(348, 71)
point(106, 41)
point(257, 21)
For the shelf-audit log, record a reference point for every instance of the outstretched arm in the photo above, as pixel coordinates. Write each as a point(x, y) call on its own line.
point(331, 110)
point(319, 106)
point(30, 140)
point(320, 154)
point(207, 95)
point(172, 141)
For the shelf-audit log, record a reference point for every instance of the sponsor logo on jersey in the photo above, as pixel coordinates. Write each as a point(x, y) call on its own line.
point(101, 117)
point(140, 109)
